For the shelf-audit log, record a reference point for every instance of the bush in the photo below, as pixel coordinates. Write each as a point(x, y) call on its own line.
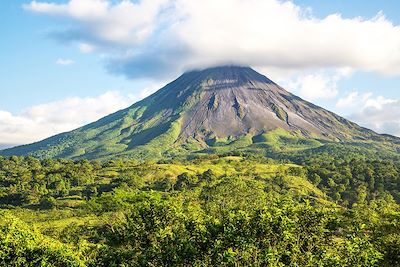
point(21, 246)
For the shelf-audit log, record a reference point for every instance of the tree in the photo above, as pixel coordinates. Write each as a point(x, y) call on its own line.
point(22, 247)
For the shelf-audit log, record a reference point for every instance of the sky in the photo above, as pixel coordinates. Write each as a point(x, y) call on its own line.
point(67, 63)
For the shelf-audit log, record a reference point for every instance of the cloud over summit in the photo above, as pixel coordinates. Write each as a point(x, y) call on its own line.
point(307, 54)
point(143, 38)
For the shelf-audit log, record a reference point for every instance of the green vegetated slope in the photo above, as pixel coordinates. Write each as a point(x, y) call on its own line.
point(221, 167)
point(209, 211)
point(216, 110)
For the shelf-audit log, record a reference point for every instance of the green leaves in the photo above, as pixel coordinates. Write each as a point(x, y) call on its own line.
point(21, 246)
point(215, 211)
point(281, 232)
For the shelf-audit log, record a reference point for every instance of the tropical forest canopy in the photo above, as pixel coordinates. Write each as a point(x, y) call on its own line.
point(228, 210)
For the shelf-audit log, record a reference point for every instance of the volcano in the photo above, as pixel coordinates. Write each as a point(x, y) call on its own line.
point(228, 107)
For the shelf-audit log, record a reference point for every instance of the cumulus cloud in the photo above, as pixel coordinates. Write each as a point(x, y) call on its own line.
point(314, 86)
point(153, 37)
point(65, 62)
point(124, 23)
point(41, 121)
point(383, 116)
point(359, 100)
point(377, 113)
point(86, 48)
point(321, 84)
point(354, 99)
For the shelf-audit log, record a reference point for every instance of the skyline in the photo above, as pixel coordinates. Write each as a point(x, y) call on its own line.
point(62, 70)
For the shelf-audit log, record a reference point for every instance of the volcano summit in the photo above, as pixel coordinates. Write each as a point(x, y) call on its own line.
point(217, 109)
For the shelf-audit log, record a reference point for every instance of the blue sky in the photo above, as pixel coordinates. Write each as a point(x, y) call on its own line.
point(45, 63)
point(354, 8)
point(29, 73)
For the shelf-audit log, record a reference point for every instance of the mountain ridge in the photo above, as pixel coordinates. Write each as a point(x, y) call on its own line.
point(201, 109)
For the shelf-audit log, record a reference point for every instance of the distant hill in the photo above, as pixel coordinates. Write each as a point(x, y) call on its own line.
point(216, 110)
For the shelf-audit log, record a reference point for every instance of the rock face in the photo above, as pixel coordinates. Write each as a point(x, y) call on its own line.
point(235, 101)
point(195, 111)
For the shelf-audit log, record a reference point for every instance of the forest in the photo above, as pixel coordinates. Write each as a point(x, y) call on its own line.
point(208, 211)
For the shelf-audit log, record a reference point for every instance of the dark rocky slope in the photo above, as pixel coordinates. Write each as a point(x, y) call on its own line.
point(215, 106)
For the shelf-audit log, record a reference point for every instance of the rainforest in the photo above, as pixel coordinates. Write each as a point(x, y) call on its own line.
point(228, 210)
point(180, 133)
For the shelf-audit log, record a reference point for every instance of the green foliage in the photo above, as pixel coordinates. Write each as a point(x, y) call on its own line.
point(165, 232)
point(28, 181)
point(350, 181)
point(210, 211)
point(21, 246)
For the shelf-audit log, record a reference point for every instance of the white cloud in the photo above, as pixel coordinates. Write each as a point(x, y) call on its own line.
point(318, 85)
point(65, 62)
point(314, 86)
point(86, 48)
point(41, 121)
point(354, 99)
point(348, 101)
point(160, 38)
point(164, 36)
point(378, 103)
point(123, 23)
point(357, 100)
point(381, 115)
point(377, 113)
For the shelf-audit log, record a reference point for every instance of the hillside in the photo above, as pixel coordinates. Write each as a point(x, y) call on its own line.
point(212, 211)
point(214, 110)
